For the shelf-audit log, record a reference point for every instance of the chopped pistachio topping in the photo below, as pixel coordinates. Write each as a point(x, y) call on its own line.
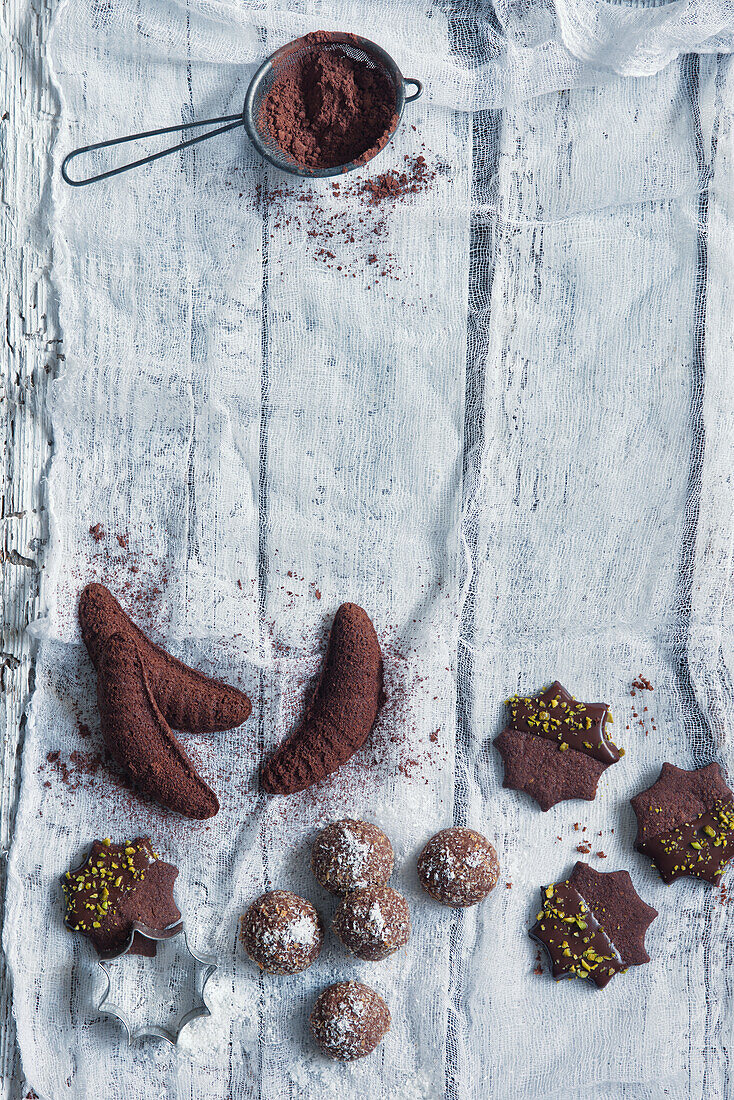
point(97, 888)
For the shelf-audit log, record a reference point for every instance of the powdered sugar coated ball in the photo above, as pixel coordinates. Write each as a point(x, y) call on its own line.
point(458, 867)
point(373, 922)
point(281, 932)
point(349, 1020)
point(348, 855)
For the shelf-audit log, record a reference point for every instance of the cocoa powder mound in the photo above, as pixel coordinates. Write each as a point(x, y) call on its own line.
point(326, 109)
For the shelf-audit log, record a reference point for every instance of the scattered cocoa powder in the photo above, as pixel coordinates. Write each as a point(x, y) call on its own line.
point(583, 848)
point(361, 222)
point(326, 109)
point(79, 765)
point(602, 855)
point(396, 185)
point(640, 684)
point(124, 541)
point(97, 532)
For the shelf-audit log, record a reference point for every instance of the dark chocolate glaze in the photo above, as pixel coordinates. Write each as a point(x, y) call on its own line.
point(699, 849)
point(117, 885)
point(575, 942)
point(555, 715)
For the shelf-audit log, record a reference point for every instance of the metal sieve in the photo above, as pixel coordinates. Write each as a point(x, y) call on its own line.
point(359, 49)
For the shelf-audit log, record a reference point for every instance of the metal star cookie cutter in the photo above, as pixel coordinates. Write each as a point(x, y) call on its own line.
point(200, 972)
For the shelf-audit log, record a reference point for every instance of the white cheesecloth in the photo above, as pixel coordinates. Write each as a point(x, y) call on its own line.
point(515, 453)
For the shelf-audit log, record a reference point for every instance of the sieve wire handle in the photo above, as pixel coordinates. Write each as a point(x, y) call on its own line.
point(233, 120)
point(418, 88)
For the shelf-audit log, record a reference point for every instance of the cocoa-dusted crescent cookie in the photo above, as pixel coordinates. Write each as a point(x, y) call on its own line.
point(685, 823)
point(556, 748)
point(341, 714)
point(458, 867)
point(281, 932)
point(348, 855)
point(117, 885)
point(187, 699)
point(372, 922)
point(593, 925)
point(142, 692)
point(138, 737)
point(349, 1020)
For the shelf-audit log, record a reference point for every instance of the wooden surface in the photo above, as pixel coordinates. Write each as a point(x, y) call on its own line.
point(29, 356)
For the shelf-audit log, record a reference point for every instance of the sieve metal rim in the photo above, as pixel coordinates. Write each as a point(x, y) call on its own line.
point(372, 49)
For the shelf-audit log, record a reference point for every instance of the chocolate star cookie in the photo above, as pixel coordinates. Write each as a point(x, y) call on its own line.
point(593, 925)
point(117, 886)
point(685, 823)
point(556, 748)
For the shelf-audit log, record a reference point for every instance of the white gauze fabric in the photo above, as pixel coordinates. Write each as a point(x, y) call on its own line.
point(514, 451)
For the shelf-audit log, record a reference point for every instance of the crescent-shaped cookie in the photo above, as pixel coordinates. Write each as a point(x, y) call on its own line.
point(341, 714)
point(138, 737)
point(187, 699)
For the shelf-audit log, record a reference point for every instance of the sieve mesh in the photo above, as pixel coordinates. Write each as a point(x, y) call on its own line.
point(358, 49)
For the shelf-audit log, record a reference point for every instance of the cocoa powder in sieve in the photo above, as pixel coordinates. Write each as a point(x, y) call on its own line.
point(326, 109)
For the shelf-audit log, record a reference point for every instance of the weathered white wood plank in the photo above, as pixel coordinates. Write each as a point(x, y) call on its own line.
point(29, 354)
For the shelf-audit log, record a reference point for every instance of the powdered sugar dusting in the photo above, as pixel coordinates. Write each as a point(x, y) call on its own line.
point(375, 920)
point(302, 931)
point(281, 932)
point(350, 855)
point(458, 867)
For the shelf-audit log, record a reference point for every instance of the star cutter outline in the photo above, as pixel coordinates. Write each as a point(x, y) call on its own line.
point(200, 973)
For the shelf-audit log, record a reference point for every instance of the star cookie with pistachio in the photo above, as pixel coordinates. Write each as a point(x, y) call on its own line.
point(117, 886)
point(556, 748)
point(685, 823)
point(593, 925)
